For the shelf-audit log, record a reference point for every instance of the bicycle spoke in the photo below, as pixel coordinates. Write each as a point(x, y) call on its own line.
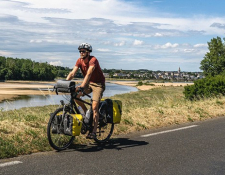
point(104, 133)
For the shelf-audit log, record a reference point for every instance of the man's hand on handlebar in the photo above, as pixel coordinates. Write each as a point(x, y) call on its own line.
point(80, 90)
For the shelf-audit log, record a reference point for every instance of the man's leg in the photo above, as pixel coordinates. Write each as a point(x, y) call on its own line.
point(95, 105)
point(80, 103)
point(97, 90)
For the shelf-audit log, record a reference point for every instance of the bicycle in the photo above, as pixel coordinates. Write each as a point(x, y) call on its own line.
point(60, 131)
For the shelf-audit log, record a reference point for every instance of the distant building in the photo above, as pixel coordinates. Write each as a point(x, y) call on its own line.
point(106, 75)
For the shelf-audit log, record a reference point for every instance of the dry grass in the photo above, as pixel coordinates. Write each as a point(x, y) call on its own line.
point(24, 131)
point(164, 106)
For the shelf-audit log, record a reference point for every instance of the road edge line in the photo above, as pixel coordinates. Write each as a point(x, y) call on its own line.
point(10, 163)
point(167, 131)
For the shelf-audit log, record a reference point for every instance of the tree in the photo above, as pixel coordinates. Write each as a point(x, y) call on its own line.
point(214, 61)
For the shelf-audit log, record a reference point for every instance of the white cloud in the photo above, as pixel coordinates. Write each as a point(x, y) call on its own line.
point(36, 41)
point(122, 43)
point(166, 46)
point(103, 50)
point(201, 45)
point(158, 34)
point(189, 50)
point(5, 53)
point(169, 45)
point(137, 42)
point(56, 63)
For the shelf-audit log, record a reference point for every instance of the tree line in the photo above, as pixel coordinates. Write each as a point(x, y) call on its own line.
point(26, 69)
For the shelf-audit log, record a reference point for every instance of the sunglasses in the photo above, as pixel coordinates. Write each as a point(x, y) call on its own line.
point(83, 51)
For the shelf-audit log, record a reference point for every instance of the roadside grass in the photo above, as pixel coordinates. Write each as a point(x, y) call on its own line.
point(164, 106)
point(24, 131)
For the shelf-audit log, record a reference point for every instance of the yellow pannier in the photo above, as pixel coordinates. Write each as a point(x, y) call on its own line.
point(77, 124)
point(117, 111)
point(114, 110)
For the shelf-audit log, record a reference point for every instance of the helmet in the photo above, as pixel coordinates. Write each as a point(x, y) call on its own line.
point(85, 46)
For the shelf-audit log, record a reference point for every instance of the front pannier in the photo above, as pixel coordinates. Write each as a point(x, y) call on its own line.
point(65, 86)
point(57, 127)
point(72, 124)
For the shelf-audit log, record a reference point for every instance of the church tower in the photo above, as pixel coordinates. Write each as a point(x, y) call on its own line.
point(179, 71)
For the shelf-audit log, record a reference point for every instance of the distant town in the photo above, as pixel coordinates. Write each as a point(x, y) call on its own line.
point(148, 74)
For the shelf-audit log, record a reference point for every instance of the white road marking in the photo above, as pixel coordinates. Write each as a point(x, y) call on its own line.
point(10, 163)
point(172, 130)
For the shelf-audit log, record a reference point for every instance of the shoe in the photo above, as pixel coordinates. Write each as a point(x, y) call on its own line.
point(91, 135)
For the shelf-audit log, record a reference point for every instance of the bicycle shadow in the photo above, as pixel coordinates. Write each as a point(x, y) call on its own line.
point(115, 143)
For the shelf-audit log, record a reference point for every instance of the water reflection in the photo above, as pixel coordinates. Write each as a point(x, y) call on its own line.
point(41, 100)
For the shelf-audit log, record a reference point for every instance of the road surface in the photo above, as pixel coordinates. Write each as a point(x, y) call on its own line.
point(192, 149)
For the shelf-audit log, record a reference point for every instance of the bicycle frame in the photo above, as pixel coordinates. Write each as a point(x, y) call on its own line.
point(74, 97)
point(73, 106)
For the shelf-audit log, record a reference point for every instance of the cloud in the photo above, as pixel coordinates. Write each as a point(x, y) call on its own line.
point(103, 50)
point(5, 53)
point(201, 45)
point(137, 42)
point(189, 50)
point(56, 63)
point(122, 43)
point(36, 41)
point(218, 25)
point(166, 46)
point(158, 35)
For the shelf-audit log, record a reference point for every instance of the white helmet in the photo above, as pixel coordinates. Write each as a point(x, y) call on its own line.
point(85, 46)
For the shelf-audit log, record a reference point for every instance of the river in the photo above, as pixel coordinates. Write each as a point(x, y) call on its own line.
point(41, 100)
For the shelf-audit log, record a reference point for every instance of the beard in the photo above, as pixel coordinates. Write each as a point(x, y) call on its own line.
point(83, 57)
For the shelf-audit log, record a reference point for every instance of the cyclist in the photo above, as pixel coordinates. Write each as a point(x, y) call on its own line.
point(94, 81)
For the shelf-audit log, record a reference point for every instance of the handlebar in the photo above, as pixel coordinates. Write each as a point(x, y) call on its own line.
point(81, 89)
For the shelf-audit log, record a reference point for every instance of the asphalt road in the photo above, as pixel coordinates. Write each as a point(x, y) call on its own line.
point(193, 149)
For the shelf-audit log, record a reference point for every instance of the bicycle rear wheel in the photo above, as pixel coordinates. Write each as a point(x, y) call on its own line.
point(104, 133)
point(55, 131)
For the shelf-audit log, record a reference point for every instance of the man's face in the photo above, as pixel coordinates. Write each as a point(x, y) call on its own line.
point(83, 53)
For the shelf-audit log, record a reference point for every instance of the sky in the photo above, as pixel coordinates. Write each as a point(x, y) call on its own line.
point(125, 34)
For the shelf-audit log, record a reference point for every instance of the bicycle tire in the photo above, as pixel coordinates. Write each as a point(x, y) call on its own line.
point(59, 141)
point(103, 134)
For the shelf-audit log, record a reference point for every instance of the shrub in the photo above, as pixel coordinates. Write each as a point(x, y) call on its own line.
point(140, 83)
point(205, 88)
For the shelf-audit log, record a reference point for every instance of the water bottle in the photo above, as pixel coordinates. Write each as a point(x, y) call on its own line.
point(81, 111)
point(87, 116)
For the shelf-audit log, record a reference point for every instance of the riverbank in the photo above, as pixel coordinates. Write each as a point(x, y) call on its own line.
point(150, 86)
point(11, 90)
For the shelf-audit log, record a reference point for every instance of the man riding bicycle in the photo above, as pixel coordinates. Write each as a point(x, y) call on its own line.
point(94, 81)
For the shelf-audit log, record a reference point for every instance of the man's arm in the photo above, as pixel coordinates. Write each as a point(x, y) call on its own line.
point(88, 76)
point(72, 73)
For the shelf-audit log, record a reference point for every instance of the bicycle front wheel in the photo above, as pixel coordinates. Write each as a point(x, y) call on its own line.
point(55, 131)
point(104, 133)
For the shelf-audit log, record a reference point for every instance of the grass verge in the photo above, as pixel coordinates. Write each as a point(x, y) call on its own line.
point(24, 131)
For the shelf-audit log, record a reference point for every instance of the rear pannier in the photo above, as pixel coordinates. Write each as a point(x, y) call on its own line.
point(114, 111)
